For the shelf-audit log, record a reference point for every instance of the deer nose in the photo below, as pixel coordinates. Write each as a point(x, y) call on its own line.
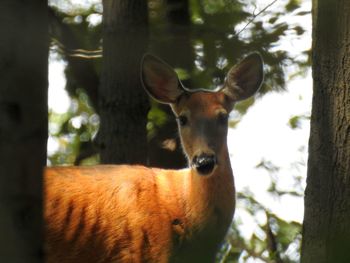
point(204, 163)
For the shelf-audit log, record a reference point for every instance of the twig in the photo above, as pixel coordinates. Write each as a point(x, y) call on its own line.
point(272, 242)
point(254, 16)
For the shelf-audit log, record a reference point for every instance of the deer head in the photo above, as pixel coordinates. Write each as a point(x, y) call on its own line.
point(202, 115)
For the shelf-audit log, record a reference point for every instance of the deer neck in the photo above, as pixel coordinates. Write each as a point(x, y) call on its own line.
point(211, 199)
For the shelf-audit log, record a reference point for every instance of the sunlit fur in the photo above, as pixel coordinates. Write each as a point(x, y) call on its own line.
point(124, 213)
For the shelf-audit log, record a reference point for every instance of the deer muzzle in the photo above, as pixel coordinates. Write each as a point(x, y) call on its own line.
point(204, 163)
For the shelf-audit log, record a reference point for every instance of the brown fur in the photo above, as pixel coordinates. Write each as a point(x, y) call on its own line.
point(128, 214)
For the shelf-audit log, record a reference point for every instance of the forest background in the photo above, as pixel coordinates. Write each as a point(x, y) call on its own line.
point(202, 39)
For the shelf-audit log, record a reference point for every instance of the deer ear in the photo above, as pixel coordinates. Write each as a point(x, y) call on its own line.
point(245, 78)
point(160, 80)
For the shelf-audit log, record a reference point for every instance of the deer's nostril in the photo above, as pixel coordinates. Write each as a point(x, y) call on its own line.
point(204, 163)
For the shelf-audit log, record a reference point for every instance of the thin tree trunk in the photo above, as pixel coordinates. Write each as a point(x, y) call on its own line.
point(326, 231)
point(23, 127)
point(122, 101)
point(165, 148)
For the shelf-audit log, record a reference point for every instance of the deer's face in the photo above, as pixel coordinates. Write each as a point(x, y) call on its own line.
point(203, 119)
point(202, 115)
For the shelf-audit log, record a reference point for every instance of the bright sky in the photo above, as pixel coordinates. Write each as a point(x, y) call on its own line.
point(263, 133)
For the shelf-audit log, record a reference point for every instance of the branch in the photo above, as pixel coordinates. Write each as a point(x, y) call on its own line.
point(272, 241)
point(254, 16)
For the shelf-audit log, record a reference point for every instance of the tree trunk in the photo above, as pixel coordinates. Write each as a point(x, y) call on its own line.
point(122, 101)
point(165, 148)
point(23, 127)
point(326, 231)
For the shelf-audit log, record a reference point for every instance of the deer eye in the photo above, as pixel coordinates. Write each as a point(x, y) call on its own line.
point(183, 120)
point(222, 118)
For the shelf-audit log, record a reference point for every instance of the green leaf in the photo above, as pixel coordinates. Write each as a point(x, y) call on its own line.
point(294, 122)
point(292, 5)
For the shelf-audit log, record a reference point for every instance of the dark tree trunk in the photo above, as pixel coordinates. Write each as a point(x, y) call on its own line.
point(165, 148)
point(23, 127)
point(123, 103)
point(179, 35)
point(326, 231)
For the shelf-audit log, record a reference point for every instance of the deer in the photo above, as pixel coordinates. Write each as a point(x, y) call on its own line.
point(133, 213)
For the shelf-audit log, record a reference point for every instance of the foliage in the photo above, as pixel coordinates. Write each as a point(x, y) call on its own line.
point(157, 118)
point(214, 41)
point(274, 239)
point(295, 121)
point(72, 130)
point(217, 41)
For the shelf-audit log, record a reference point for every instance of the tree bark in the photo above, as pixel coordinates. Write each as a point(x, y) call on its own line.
point(326, 230)
point(122, 101)
point(23, 127)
